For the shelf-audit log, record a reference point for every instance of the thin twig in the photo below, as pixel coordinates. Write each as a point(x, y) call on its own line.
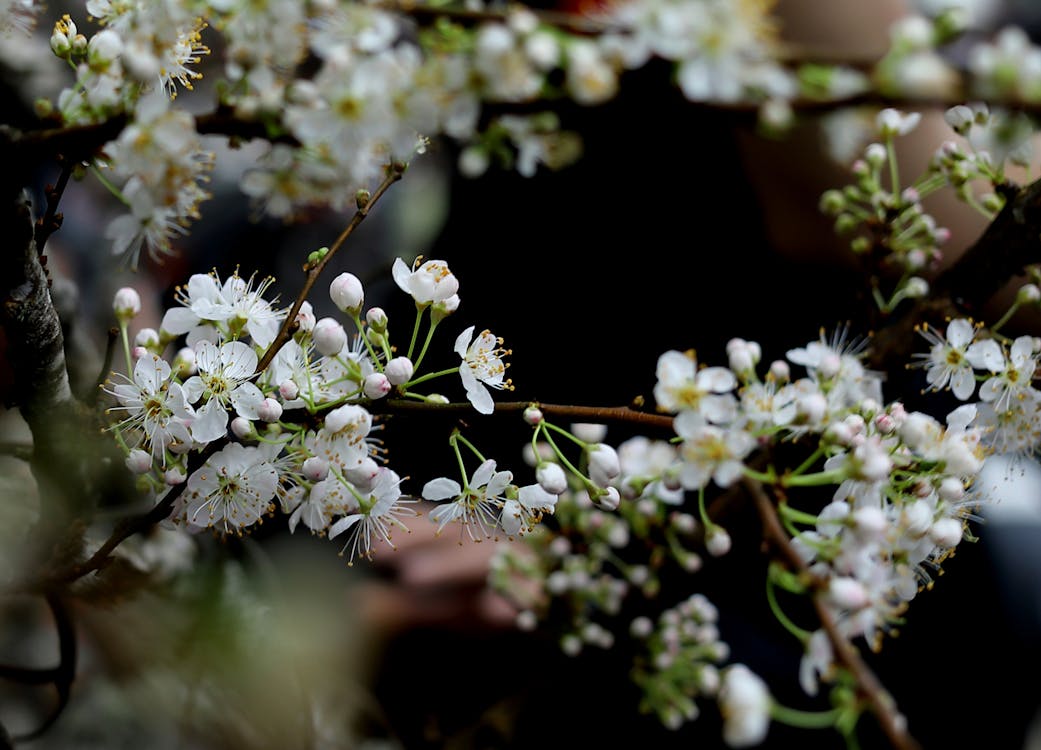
point(625, 415)
point(314, 270)
point(882, 705)
point(47, 224)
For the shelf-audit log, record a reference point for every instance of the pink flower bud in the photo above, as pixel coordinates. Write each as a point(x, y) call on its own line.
point(242, 428)
point(533, 415)
point(139, 461)
point(847, 593)
point(329, 337)
point(126, 304)
point(399, 370)
point(315, 469)
point(347, 293)
point(288, 390)
point(269, 410)
point(174, 477)
point(137, 352)
point(780, 371)
point(363, 476)
point(376, 385)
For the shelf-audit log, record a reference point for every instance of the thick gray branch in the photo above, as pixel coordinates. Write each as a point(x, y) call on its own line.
point(32, 330)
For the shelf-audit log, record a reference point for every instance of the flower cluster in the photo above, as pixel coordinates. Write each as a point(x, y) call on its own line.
point(232, 441)
point(384, 84)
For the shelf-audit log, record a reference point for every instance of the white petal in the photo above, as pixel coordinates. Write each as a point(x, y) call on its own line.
point(211, 422)
point(462, 341)
point(402, 274)
point(246, 399)
point(483, 474)
point(207, 357)
point(239, 360)
point(179, 320)
point(441, 488)
point(343, 524)
point(480, 399)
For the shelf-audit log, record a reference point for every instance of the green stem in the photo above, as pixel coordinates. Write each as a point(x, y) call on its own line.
point(804, 719)
point(431, 376)
point(126, 348)
point(894, 171)
point(415, 331)
point(109, 186)
point(368, 345)
point(471, 446)
point(1007, 316)
point(586, 481)
point(581, 443)
point(833, 476)
point(799, 516)
point(701, 509)
point(426, 343)
point(453, 440)
point(771, 597)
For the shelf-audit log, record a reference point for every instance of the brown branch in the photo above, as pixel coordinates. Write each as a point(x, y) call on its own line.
point(51, 220)
point(394, 172)
point(622, 415)
point(892, 723)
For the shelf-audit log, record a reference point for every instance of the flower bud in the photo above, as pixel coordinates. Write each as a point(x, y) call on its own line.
point(376, 385)
point(103, 49)
point(1028, 294)
point(137, 352)
point(376, 317)
point(399, 370)
point(315, 469)
point(269, 410)
point(608, 499)
point(126, 304)
point(139, 461)
point(329, 337)
point(533, 415)
point(184, 362)
point(847, 593)
point(347, 293)
point(589, 432)
point(243, 428)
point(717, 541)
point(147, 337)
point(363, 476)
point(551, 477)
point(603, 464)
point(288, 390)
point(947, 532)
point(174, 476)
